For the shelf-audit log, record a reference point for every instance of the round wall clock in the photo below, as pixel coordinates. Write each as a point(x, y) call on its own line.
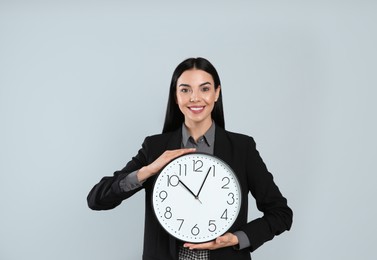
point(196, 197)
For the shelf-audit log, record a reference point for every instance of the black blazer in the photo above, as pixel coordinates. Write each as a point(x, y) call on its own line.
point(239, 151)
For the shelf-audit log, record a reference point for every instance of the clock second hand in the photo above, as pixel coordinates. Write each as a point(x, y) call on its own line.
point(184, 185)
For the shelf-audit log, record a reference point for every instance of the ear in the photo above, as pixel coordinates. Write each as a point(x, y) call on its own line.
point(217, 93)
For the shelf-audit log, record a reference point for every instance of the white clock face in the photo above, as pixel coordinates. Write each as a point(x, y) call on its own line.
point(196, 197)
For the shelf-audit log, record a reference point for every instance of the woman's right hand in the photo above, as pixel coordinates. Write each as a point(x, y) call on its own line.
point(153, 168)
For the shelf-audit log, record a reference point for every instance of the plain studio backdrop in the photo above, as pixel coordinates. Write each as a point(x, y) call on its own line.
point(83, 82)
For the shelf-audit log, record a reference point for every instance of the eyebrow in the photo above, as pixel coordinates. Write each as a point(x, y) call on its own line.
point(187, 85)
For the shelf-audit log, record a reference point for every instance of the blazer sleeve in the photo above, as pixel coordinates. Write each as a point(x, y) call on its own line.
point(107, 193)
point(277, 216)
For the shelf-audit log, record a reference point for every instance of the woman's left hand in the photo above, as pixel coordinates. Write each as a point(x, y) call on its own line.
point(228, 239)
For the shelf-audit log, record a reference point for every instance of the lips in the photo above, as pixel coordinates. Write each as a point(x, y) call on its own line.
point(196, 109)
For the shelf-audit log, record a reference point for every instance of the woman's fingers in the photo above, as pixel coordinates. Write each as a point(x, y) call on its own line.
point(225, 240)
point(153, 168)
point(167, 156)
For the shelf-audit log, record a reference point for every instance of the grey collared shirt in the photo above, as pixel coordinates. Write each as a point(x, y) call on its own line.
point(204, 144)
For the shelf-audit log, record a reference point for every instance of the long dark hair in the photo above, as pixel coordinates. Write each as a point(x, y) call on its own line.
point(174, 117)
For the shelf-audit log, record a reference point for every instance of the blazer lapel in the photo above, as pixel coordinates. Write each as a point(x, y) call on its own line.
point(223, 147)
point(175, 140)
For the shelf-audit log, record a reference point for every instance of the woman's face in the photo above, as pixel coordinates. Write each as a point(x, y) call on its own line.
point(196, 96)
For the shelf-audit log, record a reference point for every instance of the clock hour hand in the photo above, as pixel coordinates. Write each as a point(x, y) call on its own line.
point(197, 196)
point(187, 188)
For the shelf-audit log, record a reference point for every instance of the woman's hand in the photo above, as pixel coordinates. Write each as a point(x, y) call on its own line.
point(228, 239)
point(153, 168)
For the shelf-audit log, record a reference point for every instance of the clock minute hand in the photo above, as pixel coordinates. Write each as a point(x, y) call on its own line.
point(187, 188)
point(203, 182)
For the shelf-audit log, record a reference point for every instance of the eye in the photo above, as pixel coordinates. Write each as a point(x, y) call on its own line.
point(205, 89)
point(184, 90)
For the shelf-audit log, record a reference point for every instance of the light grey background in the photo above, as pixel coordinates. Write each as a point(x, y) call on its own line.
point(83, 82)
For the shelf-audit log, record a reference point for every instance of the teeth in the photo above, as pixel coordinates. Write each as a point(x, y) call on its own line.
point(196, 108)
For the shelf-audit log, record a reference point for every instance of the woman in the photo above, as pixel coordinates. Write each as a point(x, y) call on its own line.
point(195, 122)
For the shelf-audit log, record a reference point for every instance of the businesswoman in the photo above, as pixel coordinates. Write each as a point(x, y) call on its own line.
point(195, 122)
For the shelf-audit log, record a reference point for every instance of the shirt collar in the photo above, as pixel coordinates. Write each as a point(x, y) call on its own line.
point(209, 136)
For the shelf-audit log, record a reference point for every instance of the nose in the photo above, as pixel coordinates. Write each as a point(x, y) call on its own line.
point(194, 96)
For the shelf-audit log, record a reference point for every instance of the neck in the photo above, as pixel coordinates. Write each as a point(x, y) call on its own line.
point(198, 130)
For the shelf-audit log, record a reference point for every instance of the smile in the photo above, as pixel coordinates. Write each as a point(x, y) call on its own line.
point(196, 109)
